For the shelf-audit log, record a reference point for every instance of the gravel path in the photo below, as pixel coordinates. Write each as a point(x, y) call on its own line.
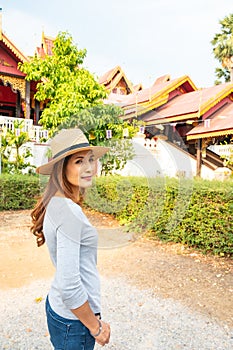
point(139, 320)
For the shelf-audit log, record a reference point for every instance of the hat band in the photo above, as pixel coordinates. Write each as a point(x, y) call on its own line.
point(81, 145)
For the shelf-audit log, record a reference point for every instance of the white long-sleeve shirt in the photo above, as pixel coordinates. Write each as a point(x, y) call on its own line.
point(72, 242)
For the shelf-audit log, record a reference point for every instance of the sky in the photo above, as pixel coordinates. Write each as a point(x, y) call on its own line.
point(146, 38)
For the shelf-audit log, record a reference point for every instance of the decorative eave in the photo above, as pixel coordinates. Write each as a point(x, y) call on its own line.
point(173, 119)
point(216, 99)
point(210, 134)
point(220, 123)
point(13, 48)
point(16, 83)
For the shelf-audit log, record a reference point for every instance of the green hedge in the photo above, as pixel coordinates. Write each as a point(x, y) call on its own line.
point(18, 191)
point(198, 213)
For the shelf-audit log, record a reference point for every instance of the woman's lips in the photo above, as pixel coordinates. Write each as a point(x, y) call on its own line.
point(87, 178)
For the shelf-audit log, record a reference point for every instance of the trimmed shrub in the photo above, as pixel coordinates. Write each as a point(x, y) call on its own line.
point(18, 191)
point(198, 213)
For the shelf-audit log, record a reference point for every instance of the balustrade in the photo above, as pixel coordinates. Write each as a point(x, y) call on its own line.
point(35, 132)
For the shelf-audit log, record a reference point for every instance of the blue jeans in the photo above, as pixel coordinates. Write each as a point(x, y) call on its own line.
point(67, 334)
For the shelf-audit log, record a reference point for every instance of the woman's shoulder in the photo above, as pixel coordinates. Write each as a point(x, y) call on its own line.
point(64, 206)
point(67, 216)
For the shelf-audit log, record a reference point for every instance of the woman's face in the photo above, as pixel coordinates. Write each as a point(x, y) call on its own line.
point(80, 169)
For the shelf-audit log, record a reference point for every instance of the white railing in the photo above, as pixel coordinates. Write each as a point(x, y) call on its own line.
point(8, 122)
point(222, 150)
point(35, 132)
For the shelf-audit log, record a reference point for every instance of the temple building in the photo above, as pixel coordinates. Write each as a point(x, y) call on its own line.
point(14, 90)
point(175, 110)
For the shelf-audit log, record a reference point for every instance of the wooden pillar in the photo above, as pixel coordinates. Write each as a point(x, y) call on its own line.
point(18, 105)
point(199, 157)
point(27, 100)
point(37, 111)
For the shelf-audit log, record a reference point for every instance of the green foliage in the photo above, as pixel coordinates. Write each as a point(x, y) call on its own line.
point(196, 213)
point(223, 48)
point(121, 150)
point(63, 82)
point(18, 191)
point(94, 122)
point(222, 74)
point(75, 99)
point(14, 154)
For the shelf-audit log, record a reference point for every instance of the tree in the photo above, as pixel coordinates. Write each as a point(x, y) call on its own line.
point(96, 122)
point(63, 82)
point(223, 50)
point(76, 100)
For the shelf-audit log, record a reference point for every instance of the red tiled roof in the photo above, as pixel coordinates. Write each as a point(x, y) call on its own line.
point(220, 123)
point(193, 102)
point(157, 89)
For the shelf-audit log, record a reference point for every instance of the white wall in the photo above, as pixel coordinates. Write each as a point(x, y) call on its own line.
point(160, 158)
point(151, 159)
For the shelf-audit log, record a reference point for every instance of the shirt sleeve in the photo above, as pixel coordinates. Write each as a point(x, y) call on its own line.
point(68, 277)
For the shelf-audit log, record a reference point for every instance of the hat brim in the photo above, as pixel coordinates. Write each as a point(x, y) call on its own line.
point(98, 152)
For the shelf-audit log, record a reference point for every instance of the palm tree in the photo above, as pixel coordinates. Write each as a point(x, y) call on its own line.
point(223, 49)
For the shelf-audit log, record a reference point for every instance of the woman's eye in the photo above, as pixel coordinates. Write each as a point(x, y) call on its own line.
point(79, 161)
point(91, 160)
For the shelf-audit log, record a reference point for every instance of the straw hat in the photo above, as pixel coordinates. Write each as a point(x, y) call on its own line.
point(67, 142)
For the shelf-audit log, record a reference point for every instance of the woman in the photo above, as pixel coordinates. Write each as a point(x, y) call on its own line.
point(73, 303)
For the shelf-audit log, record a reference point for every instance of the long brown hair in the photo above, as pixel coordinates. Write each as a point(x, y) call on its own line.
point(57, 183)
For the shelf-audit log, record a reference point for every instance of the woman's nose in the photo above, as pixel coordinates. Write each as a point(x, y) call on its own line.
point(87, 166)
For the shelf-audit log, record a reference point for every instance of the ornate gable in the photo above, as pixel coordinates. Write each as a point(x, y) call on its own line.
point(12, 48)
point(9, 61)
point(116, 82)
point(46, 46)
point(10, 56)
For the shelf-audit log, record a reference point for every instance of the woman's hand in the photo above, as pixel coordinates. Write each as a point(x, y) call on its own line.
point(104, 336)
